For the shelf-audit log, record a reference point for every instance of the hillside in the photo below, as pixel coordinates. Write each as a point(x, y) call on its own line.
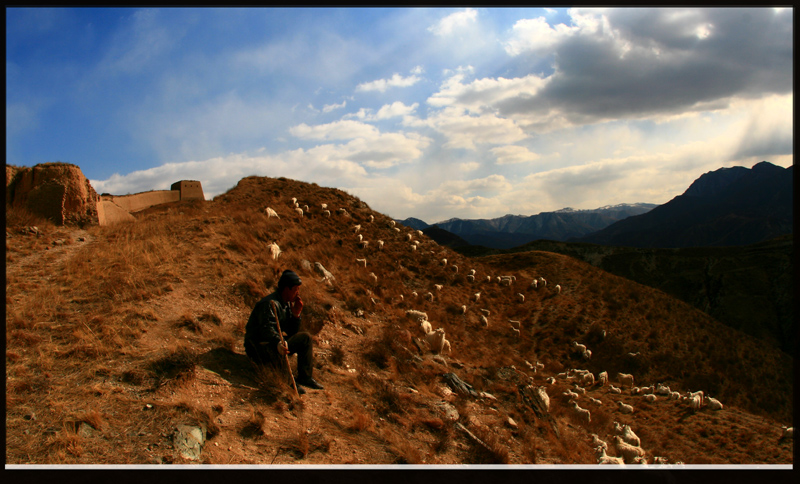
point(712, 279)
point(118, 335)
point(726, 207)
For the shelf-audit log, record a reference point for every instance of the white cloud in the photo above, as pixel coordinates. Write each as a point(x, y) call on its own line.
point(344, 129)
point(464, 131)
point(454, 21)
point(382, 84)
point(469, 166)
point(396, 109)
point(332, 107)
point(536, 35)
point(511, 154)
point(484, 94)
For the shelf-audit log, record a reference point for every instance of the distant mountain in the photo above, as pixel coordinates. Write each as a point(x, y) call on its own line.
point(514, 230)
point(445, 238)
point(726, 207)
point(413, 223)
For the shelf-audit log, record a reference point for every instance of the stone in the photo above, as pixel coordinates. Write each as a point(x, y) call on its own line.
point(56, 191)
point(189, 441)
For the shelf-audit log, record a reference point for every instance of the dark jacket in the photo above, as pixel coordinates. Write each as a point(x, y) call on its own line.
point(261, 326)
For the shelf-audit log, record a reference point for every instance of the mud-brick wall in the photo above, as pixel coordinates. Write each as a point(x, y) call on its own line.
point(141, 201)
point(189, 189)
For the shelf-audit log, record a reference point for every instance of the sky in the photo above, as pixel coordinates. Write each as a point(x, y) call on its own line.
point(432, 113)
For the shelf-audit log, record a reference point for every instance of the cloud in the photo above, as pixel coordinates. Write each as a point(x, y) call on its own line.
point(332, 107)
point(536, 35)
point(469, 166)
point(484, 94)
point(344, 129)
point(511, 154)
point(396, 109)
point(145, 39)
point(382, 84)
point(464, 131)
point(453, 22)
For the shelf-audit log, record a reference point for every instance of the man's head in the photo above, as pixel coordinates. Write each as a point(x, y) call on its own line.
point(289, 285)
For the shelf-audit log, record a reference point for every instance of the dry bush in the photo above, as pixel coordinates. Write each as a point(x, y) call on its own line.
point(254, 427)
point(493, 451)
point(361, 420)
point(405, 451)
point(178, 365)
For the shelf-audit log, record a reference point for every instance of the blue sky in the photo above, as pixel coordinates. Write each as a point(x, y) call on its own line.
point(431, 113)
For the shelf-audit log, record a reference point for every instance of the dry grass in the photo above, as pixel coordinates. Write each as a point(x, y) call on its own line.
point(109, 345)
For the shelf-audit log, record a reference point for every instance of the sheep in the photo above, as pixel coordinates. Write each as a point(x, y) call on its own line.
point(628, 452)
point(605, 459)
point(625, 379)
point(662, 389)
point(550, 380)
point(363, 244)
point(472, 272)
point(570, 394)
point(438, 287)
point(516, 325)
point(380, 245)
point(647, 390)
point(470, 278)
point(486, 312)
point(397, 229)
point(362, 262)
point(673, 395)
point(579, 389)
point(603, 378)
point(326, 213)
point(533, 284)
point(660, 460)
point(505, 280)
point(484, 320)
point(542, 282)
point(443, 262)
point(578, 348)
point(299, 211)
point(521, 297)
point(596, 401)
point(587, 354)
point(429, 296)
point(274, 250)
point(588, 379)
point(650, 397)
point(356, 228)
point(624, 408)
point(463, 309)
point(787, 432)
point(488, 278)
point(635, 390)
point(326, 276)
point(582, 412)
point(615, 390)
point(391, 223)
point(420, 233)
point(371, 218)
point(562, 375)
point(713, 403)
point(342, 212)
point(455, 268)
point(539, 366)
point(437, 341)
point(696, 402)
point(409, 237)
point(294, 201)
point(305, 208)
point(476, 296)
point(360, 237)
point(627, 434)
point(324, 206)
point(426, 327)
point(558, 289)
point(413, 248)
point(271, 213)
point(373, 278)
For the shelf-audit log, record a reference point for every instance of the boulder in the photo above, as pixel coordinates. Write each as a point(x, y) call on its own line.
point(56, 191)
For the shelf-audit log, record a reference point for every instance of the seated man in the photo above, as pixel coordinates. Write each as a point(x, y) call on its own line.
point(262, 343)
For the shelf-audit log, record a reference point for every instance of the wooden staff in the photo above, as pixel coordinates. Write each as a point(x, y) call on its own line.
point(280, 333)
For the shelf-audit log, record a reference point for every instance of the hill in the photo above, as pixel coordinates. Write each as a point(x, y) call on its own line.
point(729, 206)
point(514, 230)
point(120, 336)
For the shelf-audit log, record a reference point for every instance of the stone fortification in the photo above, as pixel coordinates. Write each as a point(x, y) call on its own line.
point(60, 192)
point(56, 191)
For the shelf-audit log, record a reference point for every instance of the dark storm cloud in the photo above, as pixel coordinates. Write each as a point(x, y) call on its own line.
point(646, 62)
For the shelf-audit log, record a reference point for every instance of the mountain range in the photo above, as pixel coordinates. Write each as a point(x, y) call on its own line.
point(514, 230)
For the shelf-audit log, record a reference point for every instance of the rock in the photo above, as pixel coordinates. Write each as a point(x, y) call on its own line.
point(56, 191)
point(189, 441)
point(459, 385)
point(450, 412)
point(511, 423)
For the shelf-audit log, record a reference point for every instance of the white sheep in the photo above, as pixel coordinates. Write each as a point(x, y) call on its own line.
point(521, 297)
point(443, 262)
point(326, 275)
point(541, 392)
point(587, 354)
point(627, 451)
point(542, 282)
point(539, 366)
point(397, 229)
point(409, 237)
point(380, 245)
point(476, 296)
point(615, 390)
point(627, 434)
point(324, 206)
point(426, 327)
point(662, 389)
point(696, 402)
point(570, 394)
point(362, 262)
point(650, 398)
point(305, 207)
point(455, 268)
point(635, 390)
point(579, 389)
point(558, 289)
point(713, 403)
point(420, 233)
point(271, 213)
point(371, 218)
point(787, 432)
point(472, 272)
point(625, 408)
point(602, 377)
point(673, 395)
point(356, 228)
point(578, 348)
point(588, 379)
point(438, 287)
point(550, 380)
point(373, 278)
point(596, 401)
point(363, 244)
point(326, 213)
point(413, 248)
point(605, 459)
point(391, 223)
point(436, 340)
point(647, 390)
point(470, 278)
point(505, 280)
point(582, 412)
point(294, 201)
point(625, 379)
point(534, 284)
point(274, 250)
point(360, 237)
point(463, 309)
point(488, 278)
point(486, 312)
point(484, 320)
point(429, 296)
point(299, 211)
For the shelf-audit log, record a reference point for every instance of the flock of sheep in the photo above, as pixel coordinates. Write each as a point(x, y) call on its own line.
point(626, 443)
